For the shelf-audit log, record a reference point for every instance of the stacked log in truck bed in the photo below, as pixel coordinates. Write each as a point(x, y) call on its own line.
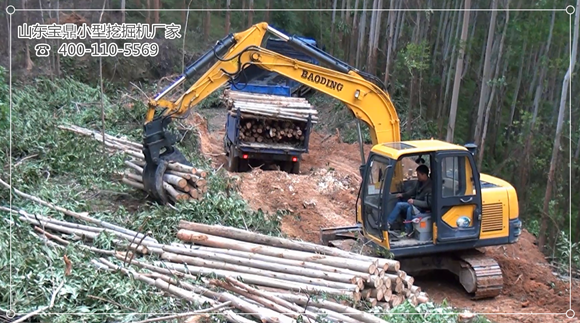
point(270, 119)
point(181, 182)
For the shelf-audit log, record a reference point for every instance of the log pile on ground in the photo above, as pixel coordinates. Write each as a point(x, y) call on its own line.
point(270, 118)
point(292, 265)
point(181, 182)
point(283, 280)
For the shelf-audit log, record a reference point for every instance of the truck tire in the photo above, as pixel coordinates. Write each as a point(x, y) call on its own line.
point(291, 167)
point(295, 168)
point(233, 162)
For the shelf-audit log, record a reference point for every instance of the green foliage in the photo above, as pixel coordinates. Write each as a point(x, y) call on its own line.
point(71, 171)
point(426, 312)
point(416, 57)
point(37, 269)
point(4, 103)
point(566, 253)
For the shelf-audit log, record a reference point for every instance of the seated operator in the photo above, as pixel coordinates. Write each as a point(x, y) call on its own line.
point(418, 196)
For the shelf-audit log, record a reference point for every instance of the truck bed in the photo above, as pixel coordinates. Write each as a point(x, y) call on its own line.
point(268, 123)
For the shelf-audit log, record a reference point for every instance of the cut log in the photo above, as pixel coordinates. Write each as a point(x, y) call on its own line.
point(416, 290)
point(266, 295)
point(377, 293)
point(423, 298)
point(175, 180)
point(181, 168)
point(267, 265)
point(333, 316)
point(200, 262)
point(321, 303)
point(273, 305)
point(239, 234)
point(256, 279)
point(396, 300)
point(220, 242)
point(178, 173)
point(256, 256)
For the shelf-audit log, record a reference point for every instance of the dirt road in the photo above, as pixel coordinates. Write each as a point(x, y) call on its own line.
point(324, 195)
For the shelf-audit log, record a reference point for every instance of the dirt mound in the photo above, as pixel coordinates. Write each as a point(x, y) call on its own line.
point(308, 202)
point(529, 278)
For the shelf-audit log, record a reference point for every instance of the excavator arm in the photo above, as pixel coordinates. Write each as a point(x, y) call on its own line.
point(236, 52)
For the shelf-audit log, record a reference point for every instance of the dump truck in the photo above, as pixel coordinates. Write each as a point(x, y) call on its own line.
point(267, 129)
point(268, 120)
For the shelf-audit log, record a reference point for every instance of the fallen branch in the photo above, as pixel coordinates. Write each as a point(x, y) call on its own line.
point(81, 216)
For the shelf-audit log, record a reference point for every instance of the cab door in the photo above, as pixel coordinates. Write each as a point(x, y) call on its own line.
point(376, 175)
point(457, 194)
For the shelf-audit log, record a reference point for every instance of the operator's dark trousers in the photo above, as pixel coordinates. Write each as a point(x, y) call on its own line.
point(399, 207)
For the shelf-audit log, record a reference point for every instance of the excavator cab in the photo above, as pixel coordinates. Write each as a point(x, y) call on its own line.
point(444, 236)
point(456, 201)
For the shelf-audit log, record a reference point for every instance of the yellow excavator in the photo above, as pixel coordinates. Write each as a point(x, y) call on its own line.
point(468, 210)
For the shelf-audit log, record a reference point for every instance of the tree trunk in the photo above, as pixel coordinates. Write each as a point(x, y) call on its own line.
point(539, 88)
point(361, 34)
point(228, 15)
point(516, 92)
point(268, 6)
point(371, 41)
point(374, 33)
point(389, 42)
point(251, 13)
point(57, 63)
point(333, 22)
point(458, 73)
point(448, 64)
point(157, 5)
point(354, 31)
point(149, 11)
point(481, 147)
point(29, 65)
point(445, 66)
point(486, 75)
point(207, 22)
point(347, 36)
point(558, 135)
point(123, 10)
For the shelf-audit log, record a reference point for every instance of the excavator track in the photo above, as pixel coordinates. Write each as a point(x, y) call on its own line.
point(480, 275)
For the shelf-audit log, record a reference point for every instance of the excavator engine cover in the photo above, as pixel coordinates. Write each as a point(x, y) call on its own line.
point(155, 140)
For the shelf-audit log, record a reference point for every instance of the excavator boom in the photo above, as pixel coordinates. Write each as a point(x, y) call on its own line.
point(236, 52)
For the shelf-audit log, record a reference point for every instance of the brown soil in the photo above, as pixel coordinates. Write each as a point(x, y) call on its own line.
point(324, 195)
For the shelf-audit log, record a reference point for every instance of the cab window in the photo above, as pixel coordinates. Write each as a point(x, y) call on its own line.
point(406, 172)
point(456, 174)
point(375, 181)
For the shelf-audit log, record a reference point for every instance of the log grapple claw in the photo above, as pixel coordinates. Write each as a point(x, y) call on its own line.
point(155, 140)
